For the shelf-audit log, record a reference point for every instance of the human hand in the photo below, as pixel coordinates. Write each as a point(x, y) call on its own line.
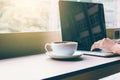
point(117, 41)
point(104, 44)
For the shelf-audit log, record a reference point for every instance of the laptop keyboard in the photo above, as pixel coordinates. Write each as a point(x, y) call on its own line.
point(99, 53)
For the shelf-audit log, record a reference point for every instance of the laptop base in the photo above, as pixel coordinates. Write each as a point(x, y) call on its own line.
point(100, 54)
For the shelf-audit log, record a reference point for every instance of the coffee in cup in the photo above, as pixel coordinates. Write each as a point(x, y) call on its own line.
point(64, 48)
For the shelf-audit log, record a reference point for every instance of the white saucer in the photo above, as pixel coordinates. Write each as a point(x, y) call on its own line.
point(77, 54)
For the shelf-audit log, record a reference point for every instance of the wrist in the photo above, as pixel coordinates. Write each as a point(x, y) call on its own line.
point(116, 48)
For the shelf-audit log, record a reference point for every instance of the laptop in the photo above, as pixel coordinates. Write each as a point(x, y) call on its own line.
point(84, 23)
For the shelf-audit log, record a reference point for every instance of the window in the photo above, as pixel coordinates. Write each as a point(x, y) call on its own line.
point(28, 15)
point(111, 9)
point(43, 15)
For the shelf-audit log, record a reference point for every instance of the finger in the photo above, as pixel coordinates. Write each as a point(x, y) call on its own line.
point(97, 44)
point(94, 46)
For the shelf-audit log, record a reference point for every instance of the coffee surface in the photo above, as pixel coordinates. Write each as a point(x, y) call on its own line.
point(63, 42)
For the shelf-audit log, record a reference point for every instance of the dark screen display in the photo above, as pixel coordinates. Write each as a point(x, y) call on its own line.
point(82, 22)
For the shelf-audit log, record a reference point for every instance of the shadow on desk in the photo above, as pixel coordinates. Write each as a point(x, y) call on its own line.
point(73, 60)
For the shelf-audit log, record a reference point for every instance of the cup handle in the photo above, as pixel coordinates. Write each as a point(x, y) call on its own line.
point(46, 47)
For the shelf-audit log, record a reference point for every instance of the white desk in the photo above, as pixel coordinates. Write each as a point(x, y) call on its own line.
point(36, 67)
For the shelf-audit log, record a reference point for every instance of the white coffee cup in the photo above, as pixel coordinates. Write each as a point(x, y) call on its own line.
point(64, 48)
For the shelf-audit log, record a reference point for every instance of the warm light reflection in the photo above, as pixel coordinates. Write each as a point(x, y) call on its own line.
point(24, 15)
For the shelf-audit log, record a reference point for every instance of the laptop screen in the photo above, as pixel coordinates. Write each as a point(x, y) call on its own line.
point(82, 22)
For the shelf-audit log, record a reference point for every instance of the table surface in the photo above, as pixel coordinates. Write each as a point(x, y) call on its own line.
point(36, 67)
